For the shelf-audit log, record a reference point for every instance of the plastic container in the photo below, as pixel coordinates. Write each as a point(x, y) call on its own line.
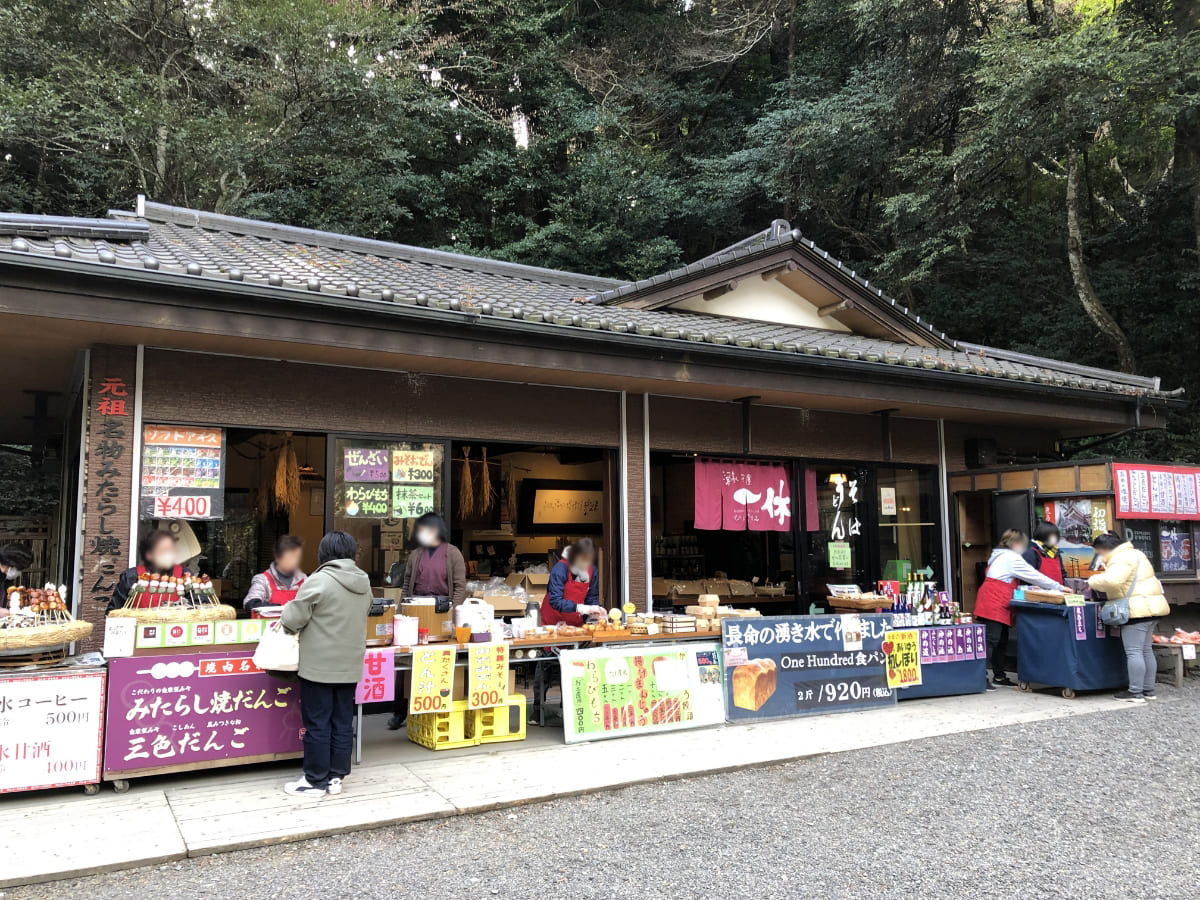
point(497, 724)
point(405, 632)
point(462, 633)
point(481, 637)
point(443, 731)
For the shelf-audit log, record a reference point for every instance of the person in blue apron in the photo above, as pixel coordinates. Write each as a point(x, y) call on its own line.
point(280, 583)
point(574, 590)
point(1044, 554)
point(1006, 569)
point(157, 552)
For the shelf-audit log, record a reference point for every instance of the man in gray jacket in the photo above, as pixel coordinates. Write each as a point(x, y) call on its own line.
point(330, 615)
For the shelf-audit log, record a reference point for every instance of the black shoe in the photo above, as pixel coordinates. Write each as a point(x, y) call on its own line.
point(1003, 681)
point(395, 723)
point(1149, 695)
point(1127, 697)
point(991, 688)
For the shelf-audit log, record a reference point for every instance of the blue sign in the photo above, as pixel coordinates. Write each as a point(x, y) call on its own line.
point(779, 666)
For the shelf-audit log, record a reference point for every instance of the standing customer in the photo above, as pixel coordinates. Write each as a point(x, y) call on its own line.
point(1006, 568)
point(330, 614)
point(1128, 574)
point(435, 569)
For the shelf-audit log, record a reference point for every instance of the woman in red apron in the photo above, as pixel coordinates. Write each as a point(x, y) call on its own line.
point(574, 590)
point(281, 582)
point(1006, 569)
point(1043, 554)
point(157, 552)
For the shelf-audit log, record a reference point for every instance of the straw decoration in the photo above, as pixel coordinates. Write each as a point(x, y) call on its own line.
point(466, 487)
point(487, 495)
point(287, 478)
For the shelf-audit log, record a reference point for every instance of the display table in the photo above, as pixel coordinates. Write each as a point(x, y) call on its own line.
point(1067, 647)
point(953, 661)
point(51, 727)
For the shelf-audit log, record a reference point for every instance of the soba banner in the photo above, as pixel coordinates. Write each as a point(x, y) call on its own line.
point(738, 495)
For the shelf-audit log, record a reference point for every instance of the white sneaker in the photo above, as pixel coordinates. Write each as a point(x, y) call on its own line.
point(335, 786)
point(301, 788)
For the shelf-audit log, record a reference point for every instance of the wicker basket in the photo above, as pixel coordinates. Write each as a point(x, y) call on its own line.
point(43, 635)
point(859, 602)
point(161, 615)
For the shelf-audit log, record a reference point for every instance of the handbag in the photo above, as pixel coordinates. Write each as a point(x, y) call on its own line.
point(1116, 612)
point(277, 650)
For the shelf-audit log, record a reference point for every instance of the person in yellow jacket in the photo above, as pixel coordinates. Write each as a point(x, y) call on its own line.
point(1126, 572)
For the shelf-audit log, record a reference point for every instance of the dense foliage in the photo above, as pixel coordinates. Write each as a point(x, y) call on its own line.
point(1023, 174)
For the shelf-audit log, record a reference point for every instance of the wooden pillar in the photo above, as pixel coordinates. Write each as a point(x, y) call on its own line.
point(638, 573)
point(110, 475)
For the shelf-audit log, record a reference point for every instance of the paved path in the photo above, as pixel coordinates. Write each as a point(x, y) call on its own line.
point(996, 798)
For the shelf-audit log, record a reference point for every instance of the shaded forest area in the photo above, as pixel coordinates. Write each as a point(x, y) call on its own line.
point(1023, 174)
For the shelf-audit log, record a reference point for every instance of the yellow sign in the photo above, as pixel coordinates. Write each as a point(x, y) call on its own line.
point(432, 679)
point(903, 658)
point(487, 675)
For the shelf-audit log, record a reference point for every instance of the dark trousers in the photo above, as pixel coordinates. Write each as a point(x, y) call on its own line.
point(997, 645)
point(328, 714)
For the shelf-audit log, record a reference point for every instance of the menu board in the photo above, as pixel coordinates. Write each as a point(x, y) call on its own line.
point(616, 692)
point(779, 666)
point(363, 464)
point(413, 466)
point(50, 729)
point(1156, 492)
point(367, 500)
point(183, 473)
point(410, 501)
point(387, 482)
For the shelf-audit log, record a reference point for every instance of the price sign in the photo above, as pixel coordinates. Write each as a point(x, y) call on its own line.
point(432, 680)
point(903, 658)
point(189, 506)
point(413, 466)
point(367, 501)
point(411, 501)
point(487, 675)
point(831, 693)
point(50, 727)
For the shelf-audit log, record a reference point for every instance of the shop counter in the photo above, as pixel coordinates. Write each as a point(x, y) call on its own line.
point(1067, 647)
point(953, 661)
point(51, 727)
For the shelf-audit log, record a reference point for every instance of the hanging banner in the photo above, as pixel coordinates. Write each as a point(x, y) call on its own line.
point(731, 495)
point(432, 679)
point(183, 473)
point(616, 692)
point(1156, 492)
point(801, 665)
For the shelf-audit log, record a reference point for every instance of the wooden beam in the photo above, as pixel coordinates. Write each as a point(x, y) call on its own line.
point(790, 266)
point(720, 289)
point(834, 308)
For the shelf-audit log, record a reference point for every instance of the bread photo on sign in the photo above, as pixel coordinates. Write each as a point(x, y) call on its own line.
point(753, 684)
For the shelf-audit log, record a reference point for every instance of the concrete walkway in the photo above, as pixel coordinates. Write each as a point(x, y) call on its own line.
point(48, 836)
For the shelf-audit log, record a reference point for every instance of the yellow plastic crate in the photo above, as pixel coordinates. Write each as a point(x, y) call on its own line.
point(443, 731)
point(499, 723)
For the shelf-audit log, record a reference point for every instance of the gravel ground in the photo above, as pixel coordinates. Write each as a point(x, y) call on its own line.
point(1092, 806)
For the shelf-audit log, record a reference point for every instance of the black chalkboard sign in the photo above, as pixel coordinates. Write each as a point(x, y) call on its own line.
point(1143, 536)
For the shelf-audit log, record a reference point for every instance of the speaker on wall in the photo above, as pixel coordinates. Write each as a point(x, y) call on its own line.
point(980, 453)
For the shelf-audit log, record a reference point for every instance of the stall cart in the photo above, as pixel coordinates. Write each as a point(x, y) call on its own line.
point(953, 662)
point(1067, 647)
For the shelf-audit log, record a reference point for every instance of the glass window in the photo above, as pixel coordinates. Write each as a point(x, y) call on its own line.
point(909, 525)
point(380, 488)
point(837, 533)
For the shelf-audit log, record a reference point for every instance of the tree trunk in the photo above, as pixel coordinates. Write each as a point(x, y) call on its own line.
point(1079, 274)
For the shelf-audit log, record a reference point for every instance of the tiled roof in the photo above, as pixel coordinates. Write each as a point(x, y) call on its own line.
point(198, 245)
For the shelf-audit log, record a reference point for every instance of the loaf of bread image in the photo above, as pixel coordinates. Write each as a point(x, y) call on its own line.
point(753, 684)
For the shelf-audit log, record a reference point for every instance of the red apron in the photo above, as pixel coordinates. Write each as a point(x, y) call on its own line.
point(277, 596)
point(1051, 568)
point(992, 600)
point(575, 591)
point(148, 602)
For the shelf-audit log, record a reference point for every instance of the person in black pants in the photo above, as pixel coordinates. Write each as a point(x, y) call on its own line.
point(330, 614)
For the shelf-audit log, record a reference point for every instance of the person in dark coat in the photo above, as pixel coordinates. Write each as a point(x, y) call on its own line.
point(1043, 553)
point(157, 552)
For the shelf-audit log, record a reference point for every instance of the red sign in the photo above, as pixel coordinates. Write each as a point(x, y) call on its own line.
point(1156, 492)
point(378, 684)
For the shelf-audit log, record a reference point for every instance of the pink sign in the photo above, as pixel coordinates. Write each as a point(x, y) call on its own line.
point(742, 496)
point(378, 683)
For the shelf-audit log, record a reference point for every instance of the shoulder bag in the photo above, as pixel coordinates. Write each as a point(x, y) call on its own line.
point(1116, 612)
point(277, 650)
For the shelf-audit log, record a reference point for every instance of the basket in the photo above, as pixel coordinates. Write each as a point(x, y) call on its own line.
point(52, 635)
point(442, 731)
point(496, 724)
point(862, 602)
point(764, 591)
point(162, 615)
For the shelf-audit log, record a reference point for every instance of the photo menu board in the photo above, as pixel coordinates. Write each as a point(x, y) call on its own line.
point(1147, 491)
point(183, 472)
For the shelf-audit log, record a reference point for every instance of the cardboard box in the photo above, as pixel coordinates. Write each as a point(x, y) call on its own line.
point(535, 586)
point(515, 579)
point(720, 588)
point(660, 587)
point(687, 590)
point(505, 604)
